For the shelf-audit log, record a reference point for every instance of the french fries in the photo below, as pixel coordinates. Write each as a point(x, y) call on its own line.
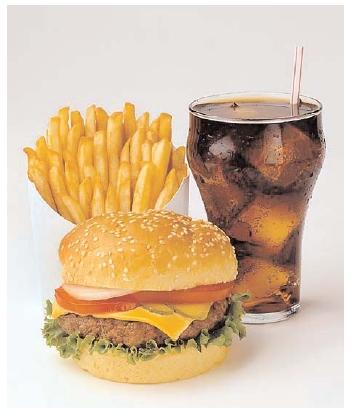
point(55, 160)
point(85, 192)
point(143, 121)
point(125, 153)
point(57, 186)
point(42, 150)
point(73, 139)
point(42, 185)
point(115, 137)
point(111, 201)
point(178, 157)
point(124, 187)
point(182, 173)
point(146, 150)
point(76, 119)
point(106, 163)
point(170, 187)
point(71, 180)
point(160, 158)
point(63, 125)
point(101, 119)
point(74, 209)
point(89, 171)
point(136, 154)
point(100, 157)
point(84, 155)
point(129, 120)
point(54, 135)
point(154, 126)
point(142, 194)
point(72, 160)
point(97, 198)
point(165, 126)
point(152, 136)
point(90, 126)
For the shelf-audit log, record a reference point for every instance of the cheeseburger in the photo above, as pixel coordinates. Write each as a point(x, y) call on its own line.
point(146, 297)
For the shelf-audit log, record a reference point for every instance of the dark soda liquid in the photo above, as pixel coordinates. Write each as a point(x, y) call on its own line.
point(256, 166)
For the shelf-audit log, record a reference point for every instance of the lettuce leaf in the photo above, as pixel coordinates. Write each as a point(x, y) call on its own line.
point(71, 345)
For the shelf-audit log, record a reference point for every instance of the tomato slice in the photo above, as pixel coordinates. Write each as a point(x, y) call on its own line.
point(199, 294)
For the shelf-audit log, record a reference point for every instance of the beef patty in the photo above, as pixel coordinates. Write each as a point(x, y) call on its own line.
point(136, 333)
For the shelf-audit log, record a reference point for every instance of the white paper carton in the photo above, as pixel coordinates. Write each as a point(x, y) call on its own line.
point(49, 228)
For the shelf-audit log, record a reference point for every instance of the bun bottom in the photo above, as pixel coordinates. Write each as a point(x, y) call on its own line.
point(172, 366)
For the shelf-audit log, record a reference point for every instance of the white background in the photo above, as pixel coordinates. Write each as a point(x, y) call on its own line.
point(161, 59)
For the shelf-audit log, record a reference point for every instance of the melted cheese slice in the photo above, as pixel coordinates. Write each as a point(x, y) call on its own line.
point(172, 324)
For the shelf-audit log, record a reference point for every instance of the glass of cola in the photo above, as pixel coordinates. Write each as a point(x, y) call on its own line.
point(255, 160)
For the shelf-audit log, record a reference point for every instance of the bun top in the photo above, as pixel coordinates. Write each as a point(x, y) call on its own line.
point(153, 250)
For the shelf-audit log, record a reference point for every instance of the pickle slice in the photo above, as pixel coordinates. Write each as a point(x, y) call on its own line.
point(197, 311)
point(158, 308)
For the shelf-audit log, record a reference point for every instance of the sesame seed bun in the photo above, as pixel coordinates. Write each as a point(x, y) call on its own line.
point(161, 369)
point(154, 250)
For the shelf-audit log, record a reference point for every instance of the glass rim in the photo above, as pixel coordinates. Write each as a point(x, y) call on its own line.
point(280, 96)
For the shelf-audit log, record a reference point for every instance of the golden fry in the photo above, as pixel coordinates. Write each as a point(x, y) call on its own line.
point(85, 154)
point(42, 150)
point(74, 208)
point(146, 149)
point(73, 139)
point(101, 119)
point(143, 121)
point(89, 171)
point(168, 191)
point(71, 180)
point(64, 125)
point(178, 157)
point(115, 137)
point(160, 158)
point(54, 135)
point(182, 173)
point(55, 160)
point(98, 198)
point(129, 120)
point(100, 157)
point(152, 136)
point(136, 154)
point(57, 185)
point(165, 126)
point(124, 187)
point(42, 186)
point(85, 192)
point(76, 118)
point(154, 147)
point(90, 127)
point(142, 194)
point(72, 160)
point(155, 127)
point(125, 153)
point(31, 153)
point(111, 200)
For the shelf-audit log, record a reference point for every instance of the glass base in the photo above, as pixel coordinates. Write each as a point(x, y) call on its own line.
point(267, 318)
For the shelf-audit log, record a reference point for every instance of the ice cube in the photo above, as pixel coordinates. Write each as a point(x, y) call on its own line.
point(260, 277)
point(223, 148)
point(268, 221)
point(283, 154)
point(222, 199)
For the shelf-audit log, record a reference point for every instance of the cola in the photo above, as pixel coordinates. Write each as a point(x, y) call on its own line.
point(255, 160)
